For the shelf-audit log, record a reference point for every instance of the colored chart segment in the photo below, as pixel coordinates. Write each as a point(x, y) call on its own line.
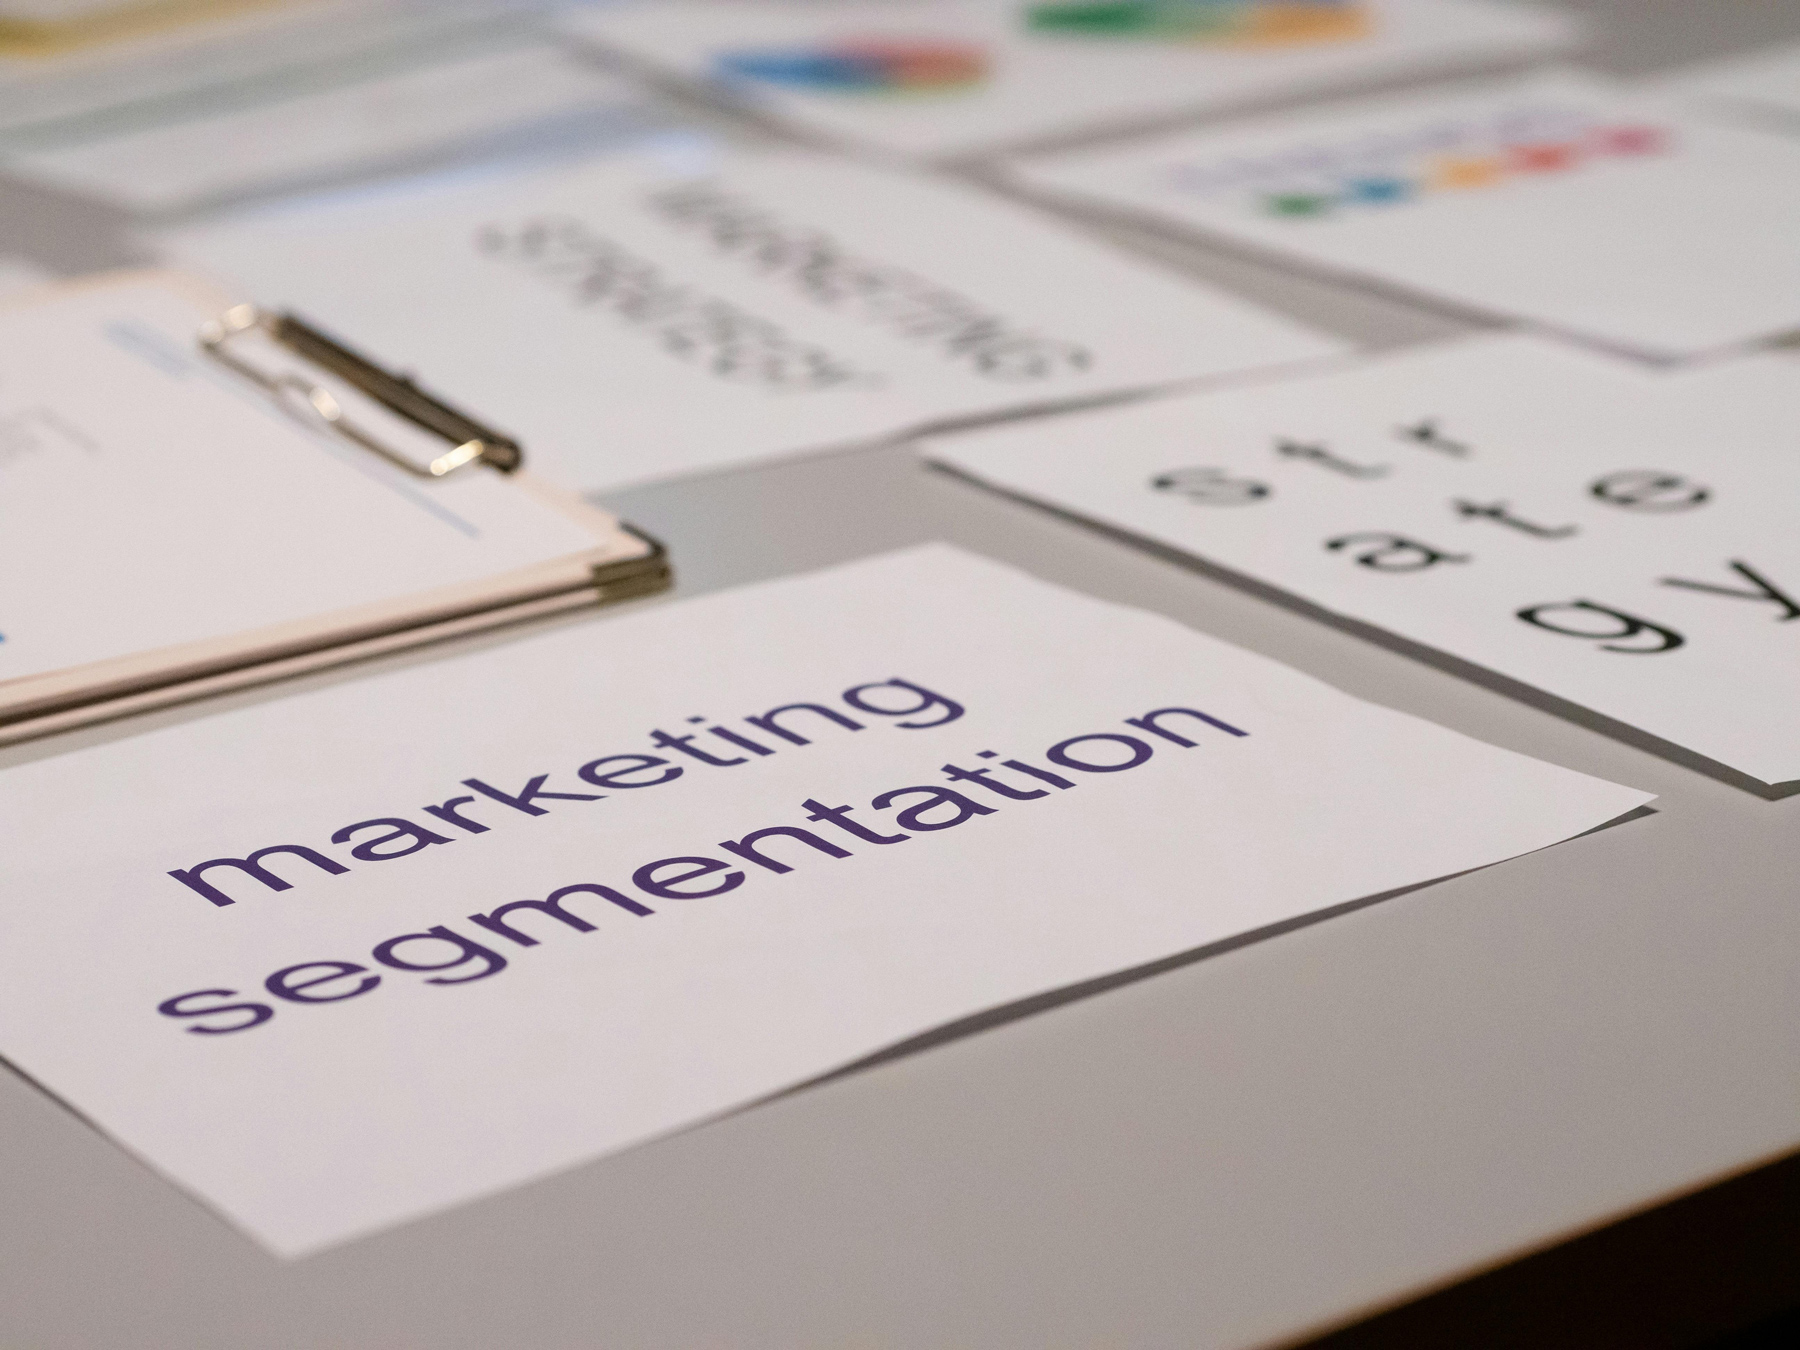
point(1513, 143)
point(862, 66)
point(1461, 170)
point(1250, 23)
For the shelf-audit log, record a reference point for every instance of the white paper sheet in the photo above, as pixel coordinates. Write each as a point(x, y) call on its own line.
point(1616, 217)
point(341, 1098)
point(964, 76)
point(1618, 538)
point(641, 318)
point(395, 118)
point(150, 498)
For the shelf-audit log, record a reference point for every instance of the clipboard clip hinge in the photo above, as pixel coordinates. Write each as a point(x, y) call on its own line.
point(471, 441)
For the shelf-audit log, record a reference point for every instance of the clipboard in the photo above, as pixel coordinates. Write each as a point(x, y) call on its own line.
point(471, 442)
point(388, 429)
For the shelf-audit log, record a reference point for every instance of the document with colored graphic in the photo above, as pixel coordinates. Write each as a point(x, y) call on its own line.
point(1618, 538)
point(643, 317)
point(371, 951)
point(1618, 218)
point(959, 77)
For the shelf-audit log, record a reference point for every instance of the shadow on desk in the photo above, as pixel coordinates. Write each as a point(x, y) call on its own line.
point(1776, 1333)
point(1715, 1270)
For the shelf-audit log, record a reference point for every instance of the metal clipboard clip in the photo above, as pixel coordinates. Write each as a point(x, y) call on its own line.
point(471, 442)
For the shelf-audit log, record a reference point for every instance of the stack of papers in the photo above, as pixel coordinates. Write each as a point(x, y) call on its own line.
point(363, 952)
